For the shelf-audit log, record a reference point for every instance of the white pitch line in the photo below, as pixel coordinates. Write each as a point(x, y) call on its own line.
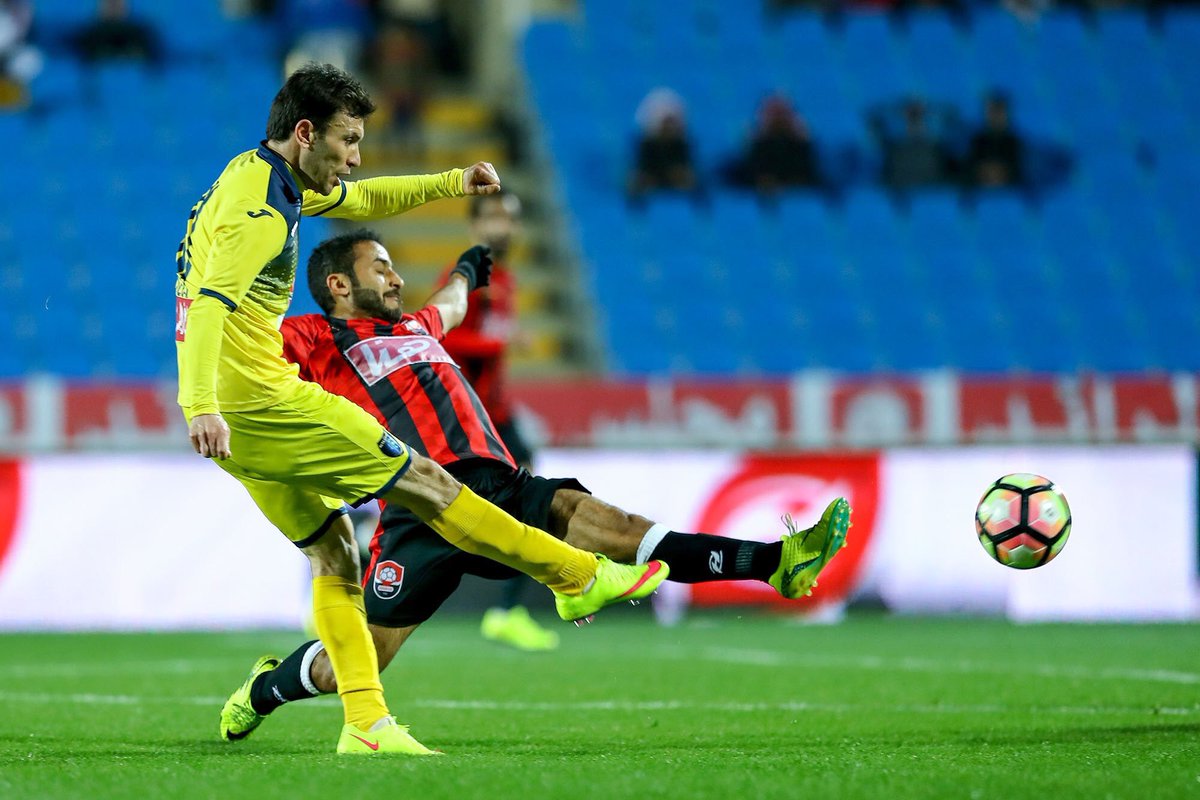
point(59, 669)
point(508, 706)
point(771, 658)
point(725, 655)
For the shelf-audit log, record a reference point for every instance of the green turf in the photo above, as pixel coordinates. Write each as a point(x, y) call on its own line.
point(722, 707)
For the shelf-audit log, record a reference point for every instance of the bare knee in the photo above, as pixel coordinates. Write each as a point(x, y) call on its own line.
point(592, 524)
point(336, 552)
point(425, 489)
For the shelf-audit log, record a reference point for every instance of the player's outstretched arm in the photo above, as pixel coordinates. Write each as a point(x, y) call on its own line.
point(473, 270)
point(376, 198)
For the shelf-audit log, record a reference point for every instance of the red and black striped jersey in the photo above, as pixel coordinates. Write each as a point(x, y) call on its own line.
point(402, 375)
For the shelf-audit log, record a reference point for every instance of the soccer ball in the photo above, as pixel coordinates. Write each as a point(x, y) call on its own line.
point(1023, 520)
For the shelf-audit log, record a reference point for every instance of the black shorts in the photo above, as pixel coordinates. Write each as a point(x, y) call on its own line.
point(413, 570)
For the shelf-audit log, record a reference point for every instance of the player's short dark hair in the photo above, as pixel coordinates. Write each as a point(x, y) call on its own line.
point(476, 203)
point(331, 256)
point(316, 92)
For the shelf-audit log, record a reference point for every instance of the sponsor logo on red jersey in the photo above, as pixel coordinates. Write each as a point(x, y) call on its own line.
point(376, 358)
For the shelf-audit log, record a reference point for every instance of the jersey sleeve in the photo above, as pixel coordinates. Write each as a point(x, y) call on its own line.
point(430, 318)
point(375, 198)
point(200, 356)
point(299, 337)
point(242, 246)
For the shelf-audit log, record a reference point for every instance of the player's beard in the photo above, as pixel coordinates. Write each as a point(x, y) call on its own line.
point(370, 303)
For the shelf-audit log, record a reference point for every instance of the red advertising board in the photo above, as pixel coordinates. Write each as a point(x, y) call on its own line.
point(768, 487)
point(807, 411)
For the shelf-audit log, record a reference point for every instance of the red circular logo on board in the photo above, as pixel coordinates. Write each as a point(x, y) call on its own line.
point(750, 503)
point(10, 506)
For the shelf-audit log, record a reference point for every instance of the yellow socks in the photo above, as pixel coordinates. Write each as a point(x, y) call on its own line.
point(341, 622)
point(471, 523)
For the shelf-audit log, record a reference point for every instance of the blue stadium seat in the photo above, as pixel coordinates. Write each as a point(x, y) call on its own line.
point(805, 219)
point(1174, 326)
point(1116, 238)
point(942, 65)
point(936, 221)
point(12, 364)
point(1005, 233)
point(1003, 52)
point(868, 38)
point(803, 31)
point(869, 214)
point(1181, 31)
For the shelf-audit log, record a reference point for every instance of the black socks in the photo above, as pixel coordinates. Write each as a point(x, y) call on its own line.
point(702, 557)
point(284, 683)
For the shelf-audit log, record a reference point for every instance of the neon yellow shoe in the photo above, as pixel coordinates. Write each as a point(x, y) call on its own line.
point(614, 582)
point(238, 717)
point(806, 552)
point(514, 627)
point(385, 738)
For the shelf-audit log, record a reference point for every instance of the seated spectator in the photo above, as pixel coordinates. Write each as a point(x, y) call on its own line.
point(402, 71)
point(446, 29)
point(115, 34)
point(995, 156)
point(781, 151)
point(914, 158)
point(664, 154)
point(19, 61)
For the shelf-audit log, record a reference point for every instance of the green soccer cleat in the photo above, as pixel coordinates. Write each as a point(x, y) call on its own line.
point(384, 738)
point(806, 552)
point(238, 717)
point(514, 627)
point(613, 583)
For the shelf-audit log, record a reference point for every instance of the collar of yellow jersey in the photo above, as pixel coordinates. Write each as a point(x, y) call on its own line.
point(283, 169)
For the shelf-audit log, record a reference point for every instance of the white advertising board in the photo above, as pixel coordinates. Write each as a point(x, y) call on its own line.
point(144, 542)
point(170, 542)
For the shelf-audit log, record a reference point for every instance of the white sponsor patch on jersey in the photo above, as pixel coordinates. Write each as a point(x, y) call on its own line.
point(376, 358)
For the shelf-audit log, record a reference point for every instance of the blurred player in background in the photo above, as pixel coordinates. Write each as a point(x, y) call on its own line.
point(299, 451)
point(394, 365)
point(480, 345)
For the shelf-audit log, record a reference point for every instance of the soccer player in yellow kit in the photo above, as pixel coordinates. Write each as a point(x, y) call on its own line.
point(302, 452)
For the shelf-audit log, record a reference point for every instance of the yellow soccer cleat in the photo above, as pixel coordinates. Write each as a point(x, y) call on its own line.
point(516, 628)
point(613, 583)
point(806, 552)
point(238, 717)
point(385, 738)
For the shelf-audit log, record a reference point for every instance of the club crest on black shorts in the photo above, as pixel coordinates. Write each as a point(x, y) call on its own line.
point(389, 576)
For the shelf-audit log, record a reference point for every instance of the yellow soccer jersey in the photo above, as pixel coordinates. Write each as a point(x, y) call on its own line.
point(236, 269)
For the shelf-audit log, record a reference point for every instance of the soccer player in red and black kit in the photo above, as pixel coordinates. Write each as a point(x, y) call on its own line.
point(394, 365)
point(480, 345)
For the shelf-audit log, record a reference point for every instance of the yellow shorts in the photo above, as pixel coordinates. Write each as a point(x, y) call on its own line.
point(304, 458)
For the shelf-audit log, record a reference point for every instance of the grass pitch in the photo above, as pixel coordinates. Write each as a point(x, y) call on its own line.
point(724, 707)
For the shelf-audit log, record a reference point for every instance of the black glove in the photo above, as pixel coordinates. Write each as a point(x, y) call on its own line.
point(476, 266)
